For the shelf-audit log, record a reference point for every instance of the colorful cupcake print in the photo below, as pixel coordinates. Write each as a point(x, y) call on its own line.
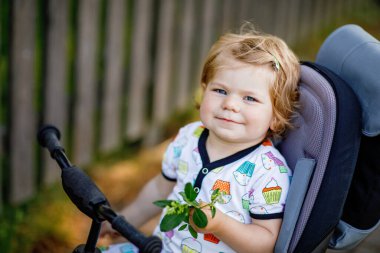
point(183, 167)
point(244, 172)
point(166, 237)
point(224, 188)
point(196, 156)
point(267, 143)
point(217, 170)
point(272, 192)
point(211, 238)
point(169, 234)
point(178, 146)
point(259, 210)
point(197, 133)
point(190, 245)
point(247, 199)
point(271, 162)
point(127, 248)
point(236, 215)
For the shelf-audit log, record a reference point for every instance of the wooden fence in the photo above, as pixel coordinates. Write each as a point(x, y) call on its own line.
point(110, 72)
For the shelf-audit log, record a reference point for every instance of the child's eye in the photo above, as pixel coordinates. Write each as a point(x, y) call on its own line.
point(250, 99)
point(220, 91)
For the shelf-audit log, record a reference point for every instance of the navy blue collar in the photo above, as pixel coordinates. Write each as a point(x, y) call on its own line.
point(208, 166)
point(221, 162)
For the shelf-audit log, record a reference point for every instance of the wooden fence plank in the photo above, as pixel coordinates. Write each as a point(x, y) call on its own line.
point(84, 110)
point(228, 16)
point(244, 13)
point(281, 18)
point(264, 15)
point(162, 71)
point(339, 10)
point(140, 70)
point(305, 20)
point(185, 75)
point(111, 137)
point(329, 10)
point(23, 121)
point(5, 48)
point(56, 104)
point(293, 20)
point(3, 22)
point(318, 15)
point(207, 33)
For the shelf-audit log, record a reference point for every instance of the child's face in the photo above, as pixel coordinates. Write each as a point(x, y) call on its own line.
point(236, 106)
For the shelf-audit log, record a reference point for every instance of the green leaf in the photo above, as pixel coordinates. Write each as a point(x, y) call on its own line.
point(199, 218)
point(213, 211)
point(215, 194)
point(193, 232)
point(195, 203)
point(183, 194)
point(163, 203)
point(186, 219)
point(182, 227)
point(190, 192)
point(188, 201)
point(171, 221)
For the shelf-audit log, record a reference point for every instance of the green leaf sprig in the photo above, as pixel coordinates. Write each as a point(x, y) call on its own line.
point(177, 212)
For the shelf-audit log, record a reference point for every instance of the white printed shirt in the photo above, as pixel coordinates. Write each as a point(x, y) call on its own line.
point(254, 181)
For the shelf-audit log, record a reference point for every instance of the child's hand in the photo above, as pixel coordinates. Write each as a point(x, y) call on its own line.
point(178, 212)
point(213, 221)
point(106, 229)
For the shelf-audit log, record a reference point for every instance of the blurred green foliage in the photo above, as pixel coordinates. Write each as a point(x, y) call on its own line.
point(23, 227)
point(368, 19)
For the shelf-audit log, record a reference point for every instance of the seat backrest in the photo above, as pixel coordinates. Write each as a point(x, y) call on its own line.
point(305, 146)
point(319, 135)
point(340, 203)
point(354, 55)
point(320, 217)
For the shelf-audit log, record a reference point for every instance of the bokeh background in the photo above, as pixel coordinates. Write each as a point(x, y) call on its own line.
point(118, 78)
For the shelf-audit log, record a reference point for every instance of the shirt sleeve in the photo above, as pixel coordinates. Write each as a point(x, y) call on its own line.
point(173, 153)
point(169, 164)
point(270, 188)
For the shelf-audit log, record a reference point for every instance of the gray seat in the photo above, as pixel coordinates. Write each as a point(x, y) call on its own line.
point(354, 55)
point(305, 147)
point(340, 97)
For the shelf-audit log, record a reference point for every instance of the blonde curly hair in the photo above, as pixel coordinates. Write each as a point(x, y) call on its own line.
point(259, 49)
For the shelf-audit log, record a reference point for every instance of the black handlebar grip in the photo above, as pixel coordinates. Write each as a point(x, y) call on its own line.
point(145, 244)
point(48, 136)
point(153, 244)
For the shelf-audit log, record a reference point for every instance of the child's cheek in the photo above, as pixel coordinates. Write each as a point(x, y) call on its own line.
point(204, 112)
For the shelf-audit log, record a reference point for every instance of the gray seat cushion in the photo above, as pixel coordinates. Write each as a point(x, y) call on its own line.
point(354, 55)
point(312, 139)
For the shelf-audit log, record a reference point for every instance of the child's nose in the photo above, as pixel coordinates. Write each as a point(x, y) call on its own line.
point(231, 103)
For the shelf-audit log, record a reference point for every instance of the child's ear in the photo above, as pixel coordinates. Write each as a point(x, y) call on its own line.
point(273, 124)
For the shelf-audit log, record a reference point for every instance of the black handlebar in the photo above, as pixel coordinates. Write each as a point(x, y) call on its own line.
point(48, 137)
point(87, 196)
point(145, 244)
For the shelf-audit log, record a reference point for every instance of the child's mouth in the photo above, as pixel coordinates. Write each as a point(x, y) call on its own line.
point(227, 120)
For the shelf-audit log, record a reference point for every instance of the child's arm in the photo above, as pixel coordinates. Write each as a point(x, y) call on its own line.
point(142, 208)
point(260, 236)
